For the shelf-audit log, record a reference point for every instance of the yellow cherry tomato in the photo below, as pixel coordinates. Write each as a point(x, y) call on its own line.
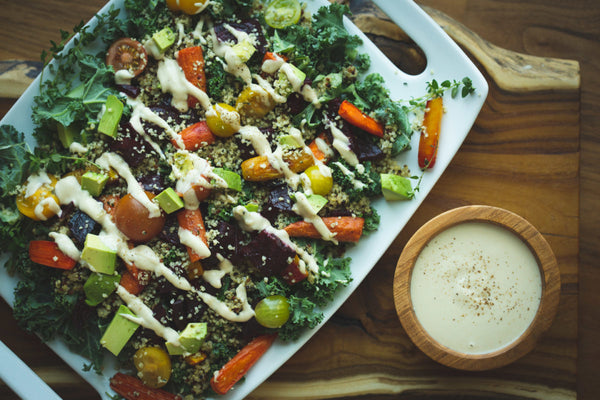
point(223, 120)
point(42, 203)
point(254, 102)
point(153, 365)
point(282, 13)
point(190, 7)
point(320, 183)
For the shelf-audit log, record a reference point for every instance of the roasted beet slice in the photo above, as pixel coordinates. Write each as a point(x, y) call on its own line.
point(130, 90)
point(249, 26)
point(170, 233)
point(365, 149)
point(80, 224)
point(228, 241)
point(131, 145)
point(268, 253)
point(246, 149)
point(153, 183)
point(278, 201)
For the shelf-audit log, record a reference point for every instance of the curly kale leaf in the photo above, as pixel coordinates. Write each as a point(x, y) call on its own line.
point(302, 315)
point(14, 154)
point(346, 177)
point(146, 17)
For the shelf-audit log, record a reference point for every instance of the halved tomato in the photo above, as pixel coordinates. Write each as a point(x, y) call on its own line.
point(129, 54)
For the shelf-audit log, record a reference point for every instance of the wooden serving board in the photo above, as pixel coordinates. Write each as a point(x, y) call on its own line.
point(522, 155)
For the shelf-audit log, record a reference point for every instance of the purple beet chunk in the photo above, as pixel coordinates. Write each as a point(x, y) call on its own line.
point(296, 103)
point(249, 26)
point(228, 241)
point(153, 183)
point(130, 90)
point(278, 201)
point(268, 253)
point(365, 149)
point(169, 233)
point(130, 145)
point(80, 224)
point(246, 149)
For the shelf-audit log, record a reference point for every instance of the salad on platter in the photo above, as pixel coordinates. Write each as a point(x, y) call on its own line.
point(199, 171)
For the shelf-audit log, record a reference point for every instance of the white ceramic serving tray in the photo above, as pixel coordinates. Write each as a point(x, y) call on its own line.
point(445, 60)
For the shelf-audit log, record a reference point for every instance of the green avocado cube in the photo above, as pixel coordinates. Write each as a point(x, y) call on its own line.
point(68, 134)
point(119, 331)
point(290, 141)
point(191, 338)
point(233, 180)
point(98, 287)
point(244, 50)
point(99, 256)
point(251, 207)
point(164, 39)
point(94, 182)
point(316, 201)
point(169, 201)
point(113, 109)
point(396, 187)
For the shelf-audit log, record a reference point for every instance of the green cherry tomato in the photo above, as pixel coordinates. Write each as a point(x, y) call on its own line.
point(272, 311)
point(282, 13)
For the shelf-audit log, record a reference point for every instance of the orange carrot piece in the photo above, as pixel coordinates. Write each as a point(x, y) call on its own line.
point(346, 229)
point(131, 283)
point(48, 253)
point(196, 136)
point(314, 147)
point(354, 116)
point(239, 365)
point(191, 61)
point(132, 388)
point(269, 55)
point(192, 221)
point(430, 135)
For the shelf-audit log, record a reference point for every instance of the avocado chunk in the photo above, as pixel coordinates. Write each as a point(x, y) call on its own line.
point(290, 141)
point(169, 201)
point(113, 109)
point(251, 207)
point(98, 255)
point(98, 287)
point(316, 201)
point(396, 187)
point(191, 338)
point(244, 50)
point(68, 134)
point(233, 180)
point(94, 182)
point(164, 39)
point(119, 331)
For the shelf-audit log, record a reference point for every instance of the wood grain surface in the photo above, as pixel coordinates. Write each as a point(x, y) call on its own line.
point(535, 153)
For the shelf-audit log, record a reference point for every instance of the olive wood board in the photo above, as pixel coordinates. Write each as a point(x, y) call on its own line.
point(521, 155)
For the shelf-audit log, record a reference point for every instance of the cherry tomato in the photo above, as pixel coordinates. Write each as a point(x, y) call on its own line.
point(133, 219)
point(190, 7)
point(43, 199)
point(127, 54)
point(319, 182)
point(153, 365)
point(254, 103)
point(272, 311)
point(282, 13)
point(223, 120)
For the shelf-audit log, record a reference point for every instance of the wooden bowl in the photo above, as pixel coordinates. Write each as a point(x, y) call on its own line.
point(541, 321)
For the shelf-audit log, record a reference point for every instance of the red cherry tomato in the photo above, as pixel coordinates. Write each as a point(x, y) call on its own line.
point(133, 219)
point(127, 54)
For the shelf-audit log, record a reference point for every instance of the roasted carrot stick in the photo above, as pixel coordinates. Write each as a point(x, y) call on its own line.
point(346, 229)
point(314, 147)
point(269, 55)
point(430, 135)
point(191, 61)
point(196, 136)
point(239, 365)
point(354, 116)
point(192, 221)
point(131, 283)
point(258, 169)
point(48, 253)
point(132, 388)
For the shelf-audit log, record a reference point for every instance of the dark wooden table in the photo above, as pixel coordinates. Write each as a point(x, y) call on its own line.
point(535, 152)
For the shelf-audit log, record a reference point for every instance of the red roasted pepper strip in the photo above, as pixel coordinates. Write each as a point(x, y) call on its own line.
point(239, 365)
point(195, 136)
point(430, 135)
point(48, 253)
point(346, 229)
point(191, 61)
point(354, 116)
point(192, 221)
point(132, 388)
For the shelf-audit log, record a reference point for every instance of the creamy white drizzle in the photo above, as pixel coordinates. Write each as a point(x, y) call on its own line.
point(355, 182)
point(194, 242)
point(66, 245)
point(141, 112)
point(192, 170)
point(342, 144)
point(108, 160)
point(172, 79)
point(253, 221)
point(303, 208)
point(34, 182)
point(123, 77)
point(214, 276)
point(233, 63)
point(77, 147)
point(47, 203)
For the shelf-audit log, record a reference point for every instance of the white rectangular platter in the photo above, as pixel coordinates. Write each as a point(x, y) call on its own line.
point(445, 60)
